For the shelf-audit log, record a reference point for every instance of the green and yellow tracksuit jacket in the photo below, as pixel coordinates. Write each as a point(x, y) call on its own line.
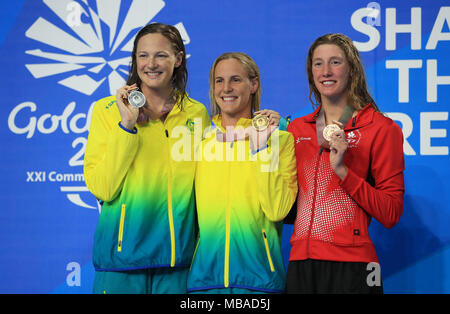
point(241, 199)
point(145, 179)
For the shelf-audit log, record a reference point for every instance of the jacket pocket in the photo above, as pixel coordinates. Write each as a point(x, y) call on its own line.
point(120, 236)
point(269, 258)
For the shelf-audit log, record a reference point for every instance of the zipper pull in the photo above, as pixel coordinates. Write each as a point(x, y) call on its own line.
point(167, 133)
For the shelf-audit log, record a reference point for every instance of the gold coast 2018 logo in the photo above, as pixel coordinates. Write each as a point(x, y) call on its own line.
point(94, 42)
point(83, 46)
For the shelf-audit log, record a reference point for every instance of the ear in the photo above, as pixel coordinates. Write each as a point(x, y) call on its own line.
point(254, 85)
point(179, 58)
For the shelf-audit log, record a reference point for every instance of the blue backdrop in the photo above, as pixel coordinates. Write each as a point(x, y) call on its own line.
point(57, 57)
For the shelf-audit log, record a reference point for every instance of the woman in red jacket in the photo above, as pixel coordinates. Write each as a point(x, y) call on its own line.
point(350, 168)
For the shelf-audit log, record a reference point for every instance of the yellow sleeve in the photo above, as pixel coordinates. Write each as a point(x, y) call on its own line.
point(110, 150)
point(277, 176)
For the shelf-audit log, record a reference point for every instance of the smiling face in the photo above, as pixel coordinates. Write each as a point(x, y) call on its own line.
point(156, 61)
point(233, 89)
point(330, 71)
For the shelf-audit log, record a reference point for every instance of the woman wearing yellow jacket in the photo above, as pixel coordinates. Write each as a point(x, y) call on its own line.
point(245, 184)
point(145, 236)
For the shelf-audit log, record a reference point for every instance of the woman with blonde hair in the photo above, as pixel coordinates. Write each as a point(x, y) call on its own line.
point(245, 184)
point(350, 169)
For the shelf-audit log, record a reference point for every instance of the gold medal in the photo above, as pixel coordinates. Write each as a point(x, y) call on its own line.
point(260, 122)
point(329, 130)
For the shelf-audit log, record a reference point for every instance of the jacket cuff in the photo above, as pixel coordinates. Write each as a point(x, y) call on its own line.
point(259, 149)
point(134, 131)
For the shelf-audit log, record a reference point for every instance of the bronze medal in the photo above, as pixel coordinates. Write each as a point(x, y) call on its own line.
point(329, 130)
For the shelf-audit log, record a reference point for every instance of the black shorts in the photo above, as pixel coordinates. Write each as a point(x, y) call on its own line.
point(317, 276)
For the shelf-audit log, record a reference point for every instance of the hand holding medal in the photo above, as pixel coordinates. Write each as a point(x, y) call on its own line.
point(335, 136)
point(329, 130)
point(130, 102)
point(260, 122)
point(264, 118)
point(136, 98)
point(263, 124)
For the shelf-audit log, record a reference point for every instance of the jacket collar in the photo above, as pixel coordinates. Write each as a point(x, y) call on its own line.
point(242, 122)
point(362, 118)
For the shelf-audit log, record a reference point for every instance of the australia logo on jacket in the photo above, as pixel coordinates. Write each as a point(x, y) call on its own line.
point(190, 124)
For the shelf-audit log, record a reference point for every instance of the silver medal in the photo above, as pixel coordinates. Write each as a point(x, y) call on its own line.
point(136, 99)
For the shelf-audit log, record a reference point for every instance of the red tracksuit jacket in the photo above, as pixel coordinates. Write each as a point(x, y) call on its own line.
point(333, 215)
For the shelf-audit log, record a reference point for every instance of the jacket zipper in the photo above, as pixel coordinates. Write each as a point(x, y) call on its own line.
point(169, 206)
point(272, 269)
point(227, 234)
point(314, 202)
point(122, 220)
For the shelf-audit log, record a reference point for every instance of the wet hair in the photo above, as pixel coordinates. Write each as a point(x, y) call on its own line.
point(357, 90)
point(252, 72)
point(180, 74)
